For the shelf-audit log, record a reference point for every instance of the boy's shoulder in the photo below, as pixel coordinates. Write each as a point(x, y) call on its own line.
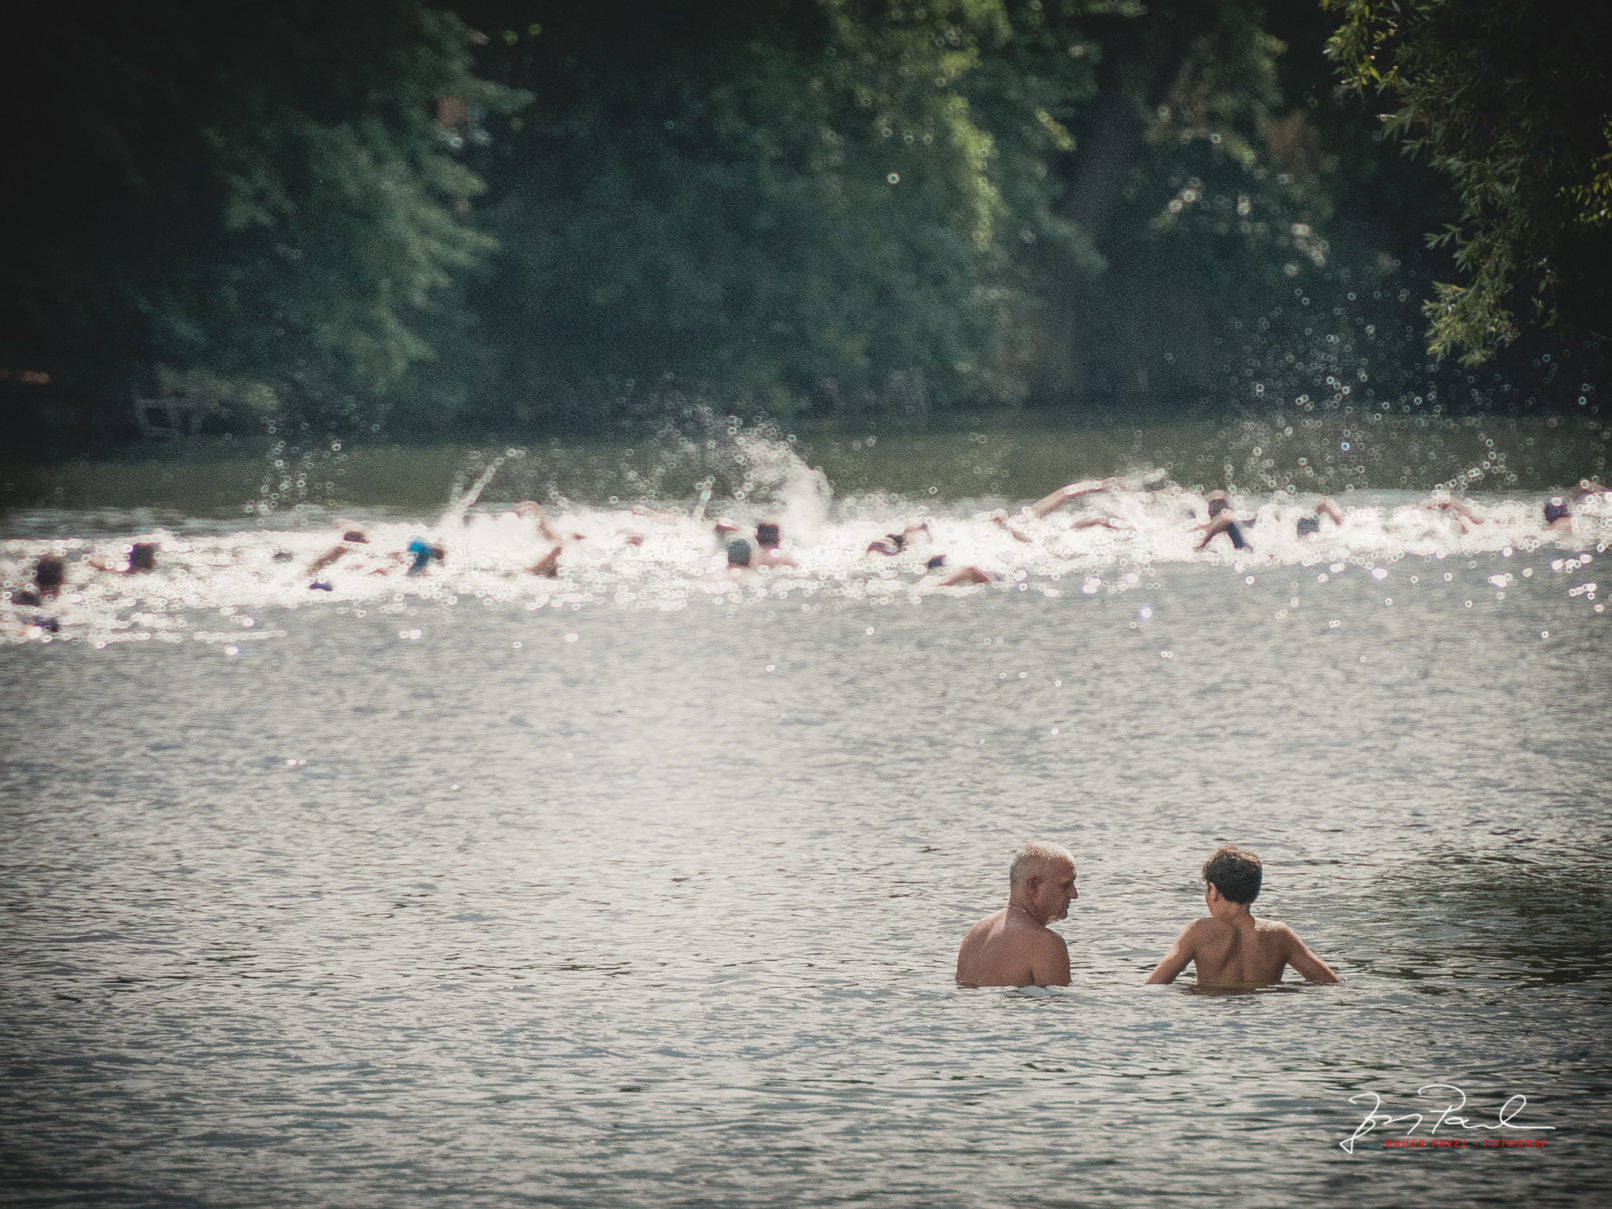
point(1266, 929)
point(1273, 927)
point(1277, 935)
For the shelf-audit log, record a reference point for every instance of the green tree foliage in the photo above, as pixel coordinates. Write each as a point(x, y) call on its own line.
point(1171, 185)
point(252, 192)
point(1512, 100)
point(1181, 177)
point(766, 200)
point(829, 199)
point(842, 205)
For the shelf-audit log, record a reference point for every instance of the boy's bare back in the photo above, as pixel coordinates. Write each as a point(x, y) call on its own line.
point(1230, 947)
point(1240, 952)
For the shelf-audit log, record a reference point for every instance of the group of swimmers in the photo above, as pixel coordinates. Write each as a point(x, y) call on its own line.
point(1015, 947)
point(50, 577)
point(762, 548)
point(418, 555)
point(1558, 516)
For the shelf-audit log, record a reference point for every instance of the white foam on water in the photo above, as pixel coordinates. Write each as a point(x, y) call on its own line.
point(213, 579)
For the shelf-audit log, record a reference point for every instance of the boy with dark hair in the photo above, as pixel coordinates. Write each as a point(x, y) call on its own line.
point(1230, 947)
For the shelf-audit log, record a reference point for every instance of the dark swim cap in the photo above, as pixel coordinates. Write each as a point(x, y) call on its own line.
point(1555, 510)
point(738, 553)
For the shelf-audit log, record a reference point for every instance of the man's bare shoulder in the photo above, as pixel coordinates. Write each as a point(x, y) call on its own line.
point(990, 923)
point(1044, 938)
point(1011, 930)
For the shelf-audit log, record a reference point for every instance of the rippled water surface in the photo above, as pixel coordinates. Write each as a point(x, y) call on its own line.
point(643, 886)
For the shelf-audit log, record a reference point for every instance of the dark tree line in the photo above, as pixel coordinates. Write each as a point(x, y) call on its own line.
point(532, 215)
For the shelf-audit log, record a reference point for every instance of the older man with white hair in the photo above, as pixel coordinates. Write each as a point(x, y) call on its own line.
point(1015, 947)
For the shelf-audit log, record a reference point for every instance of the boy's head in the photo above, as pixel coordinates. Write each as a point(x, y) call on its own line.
point(1235, 872)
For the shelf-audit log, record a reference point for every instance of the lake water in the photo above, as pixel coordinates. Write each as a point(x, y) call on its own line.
point(642, 885)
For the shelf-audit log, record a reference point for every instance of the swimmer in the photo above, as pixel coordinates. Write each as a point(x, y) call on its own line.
point(1073, 491)
point(142, 558)
point(1558, 517)
point(963, 577)
point(1588, 487)
point(351, 539)
point(424, 553)
point(534, 511)
point(50, 573)
point(1464, 515)
point(1308, 526)
point(1221, 521)
point(767, 553)
point(740, 557)
point(1000, 519)
point(1014, 947)
point(549, 565)
point(1230, 947)
point(896, 543)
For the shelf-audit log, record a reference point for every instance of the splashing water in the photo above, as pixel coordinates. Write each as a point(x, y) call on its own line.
point(655, 552)
point(460, 502)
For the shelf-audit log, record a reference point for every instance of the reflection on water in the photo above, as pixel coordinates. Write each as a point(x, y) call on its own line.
point(638, 888)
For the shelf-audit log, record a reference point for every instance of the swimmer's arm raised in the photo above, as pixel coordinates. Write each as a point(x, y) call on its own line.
point(1309, 966)
point(325, 559)
point(1060, 497)
point(1177, 959)
point(1214, 527)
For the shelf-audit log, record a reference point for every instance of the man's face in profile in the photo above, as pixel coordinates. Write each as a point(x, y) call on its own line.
point(1055, 890)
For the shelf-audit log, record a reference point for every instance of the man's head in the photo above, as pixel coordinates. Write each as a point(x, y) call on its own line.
point(767, 533)
point(738, 553)
point(1041, 881)
point(1235, 872)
